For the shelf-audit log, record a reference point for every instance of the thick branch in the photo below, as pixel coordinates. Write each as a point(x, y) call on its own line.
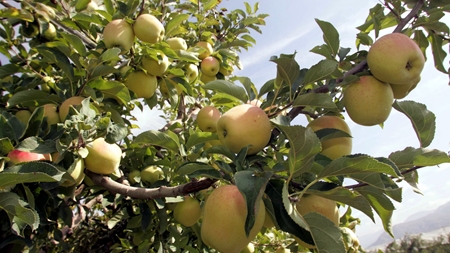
point(149, 193)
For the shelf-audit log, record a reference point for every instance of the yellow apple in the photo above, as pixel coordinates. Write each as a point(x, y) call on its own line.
point(64, 108)
point(23, 116)
point(191, 71)
point(268, 222)
point(142, 84)
point(402, 90)
point(156, 67)
point(368, 101)
point(395, 58)
point(210, 66)
point(244, 125)
point(208, 50)
point(351, 241)
point(148, 28)
point(51, 114)
point(212, 143)
point(187, 212)
point(133, 175)
point(313, 203)
point(165, 90)
point(18, 156)
point(176, 43)
point(226, 71)
point(103, 157)
point(151, 174)
point(206, 79)
point(118, 33)
point(250, 248)
point(223, 224)
point(207, 118)
point(335, 147)
point(77, 173)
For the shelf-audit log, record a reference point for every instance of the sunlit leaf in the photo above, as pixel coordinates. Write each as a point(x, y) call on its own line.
point(227, 88)
point(157, 138)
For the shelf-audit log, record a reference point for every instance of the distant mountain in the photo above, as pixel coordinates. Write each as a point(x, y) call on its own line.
point(418, 223)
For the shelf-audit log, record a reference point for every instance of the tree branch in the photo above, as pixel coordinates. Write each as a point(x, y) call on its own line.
point(149, 193)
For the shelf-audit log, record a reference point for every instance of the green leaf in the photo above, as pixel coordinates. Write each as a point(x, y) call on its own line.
point(312, 99)
point(348, 197)
point(174, 23)
point(423, 120)
point(102, 70)
point(5, 146)
point(288, 70)
point(29, 98)
point(210, 4)
point(252, 184)
point(8, 70)
point(326, 234)
point(274, 190)
point(112, 89)
point(249, 86)
point(12, 12)
point(330, 36)
point(37, 145)
point(304, 146)
point(54, 56)
point(320, 71)
point(410, 157)
point(110, 55)
point(195, 169)
point(75, 42)
point(355, 165)
point(31, 172)
point(227, 88)
point(381, 204)
point(167, 140)
point(10, 126)
point(439, 54)
point(200, 137)
point(323, 50)
point(19, 213)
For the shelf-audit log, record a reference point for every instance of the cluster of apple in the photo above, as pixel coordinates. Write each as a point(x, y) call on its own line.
point(147, 28)
point(102, 158)
point(395, 62)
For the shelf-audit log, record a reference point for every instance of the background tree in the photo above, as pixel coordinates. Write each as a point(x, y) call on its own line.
point(75, 178)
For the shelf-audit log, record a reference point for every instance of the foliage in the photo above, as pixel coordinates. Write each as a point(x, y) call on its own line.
point(415, 243)
point(105, 213)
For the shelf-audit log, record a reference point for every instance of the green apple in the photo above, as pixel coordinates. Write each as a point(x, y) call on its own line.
point(314, 203)
point(163, 88)
point(118, 33)
point(191, 72)
point(244, 125)
point(148, 28)
point(51, 114)
point(206, 79)
point(226, 209)
point(402, 90)
point(395, 58)
point(142, 84)
point(134, 177)
point(156, 67)
point(210, 66)
point(335, 147)
point(207, 118)
point(23, 116)
point(250, 248)
point(151, 174)
point(368, 101)
point(64, 108)
point(76, 172)
point(226, 71)
point(103, 157)
point(19, 156)
point(176, 43)
point(187, 212)
point(50, 32)
point(206, 48)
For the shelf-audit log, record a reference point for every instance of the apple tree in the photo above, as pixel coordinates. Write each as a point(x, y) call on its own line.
point(229, 170)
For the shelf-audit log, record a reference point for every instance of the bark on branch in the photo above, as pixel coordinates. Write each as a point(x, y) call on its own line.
point(149, 193)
